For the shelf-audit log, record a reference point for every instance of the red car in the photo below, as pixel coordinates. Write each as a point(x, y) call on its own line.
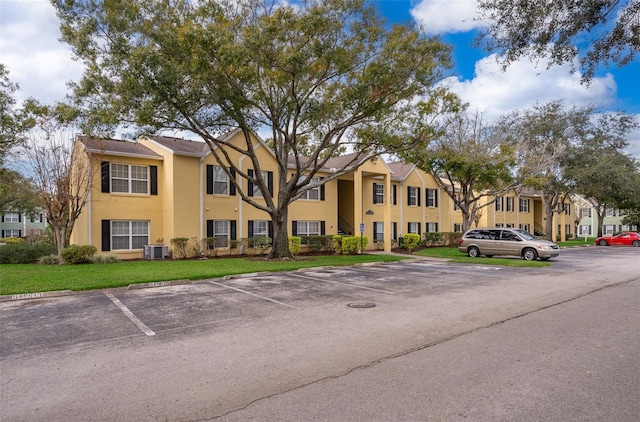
point(624, 239)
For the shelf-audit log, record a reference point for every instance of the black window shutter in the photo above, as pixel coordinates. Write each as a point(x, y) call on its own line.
point(3, 219)
point(435, 197)
point(250, 228)
point(394, 189)
point(375, 234)
point(209, 179)
point(106, 235)
point(19, 233)
point(232, 223)
point(408, 227)
point(270, 183)
point(436, 227)
point(249, 183)
point(154, 179)
point(322, 228)
point(375, 198)
point(418, 193)
point(209, 228)
point(394, 227)
point(104, 176)
point(322, 189)
point(409, 195)
point(19, 217)
point(420, 229)
point(3, 234)
point(232, 187)
point(294, 228)
point(270, 229)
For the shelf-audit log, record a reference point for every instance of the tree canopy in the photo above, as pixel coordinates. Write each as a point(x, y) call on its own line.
point(318, 75)
point(599, 33)
point(472, 157)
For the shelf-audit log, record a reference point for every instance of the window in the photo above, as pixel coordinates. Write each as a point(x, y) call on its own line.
point(457, 228)
point(610, 212)
point(126, 178)
point(378, 193)
point(432, 197)
point(525, 227)
point(313, 193)
point(510, 226)
point(609, 228)
point(499, 203)
point(378, 231)
point(37, 218)
point(524, 205)
point(129, 234)
point(585, 230)
point(260, 228)
point(394, 195)
point(510, 203)
point(432, 227)
point(413, 195)
point(11, 217)
point(567, 229)
point(308, 228)
point(220, 181)
point(255, 191)
point(11, 233)
point(413, 228)
point(585, 212)
point(220, 230)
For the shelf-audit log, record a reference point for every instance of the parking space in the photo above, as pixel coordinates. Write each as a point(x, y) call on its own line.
point(34, 326)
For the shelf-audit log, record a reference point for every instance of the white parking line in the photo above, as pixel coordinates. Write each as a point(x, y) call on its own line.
point(252, 294)
point(130, 314)
point(344, 284)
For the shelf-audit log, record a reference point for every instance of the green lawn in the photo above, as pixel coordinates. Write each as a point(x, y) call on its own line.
point(31, 278)
point(591, 241)
point(453, 255)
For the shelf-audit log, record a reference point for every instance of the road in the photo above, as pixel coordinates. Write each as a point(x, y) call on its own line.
point(421, 340)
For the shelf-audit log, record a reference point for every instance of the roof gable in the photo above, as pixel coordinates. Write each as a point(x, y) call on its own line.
point(117, 147)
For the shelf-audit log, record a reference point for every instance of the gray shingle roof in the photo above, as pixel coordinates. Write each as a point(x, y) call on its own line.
point(400, 169)
point(117, 147)
point(182, 146)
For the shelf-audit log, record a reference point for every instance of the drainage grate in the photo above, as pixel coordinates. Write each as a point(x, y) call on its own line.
point(361, 305)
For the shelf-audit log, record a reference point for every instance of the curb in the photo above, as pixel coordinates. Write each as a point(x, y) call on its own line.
point(40, 295)
point(158, 284)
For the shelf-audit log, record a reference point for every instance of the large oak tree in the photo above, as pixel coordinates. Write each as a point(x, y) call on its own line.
point(320, 75)
point(602, 32)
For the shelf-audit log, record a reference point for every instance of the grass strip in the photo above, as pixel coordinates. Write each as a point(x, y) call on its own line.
point(31, 278)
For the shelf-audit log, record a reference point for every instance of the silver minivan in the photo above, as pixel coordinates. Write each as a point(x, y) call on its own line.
point(506, 241)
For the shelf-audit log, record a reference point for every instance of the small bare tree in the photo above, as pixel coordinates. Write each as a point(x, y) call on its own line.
point(62, 176)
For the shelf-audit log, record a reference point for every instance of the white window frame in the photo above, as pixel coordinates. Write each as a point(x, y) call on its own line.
point(220, 181)
point(610, 212)
point(431, 198)
point(526, 227)
point(457, 228)
point(308, 228)
point(498, 202)
point(256, 189)
point(609, 229)
point(11, 217)
point(221, 230)
point(523, 205)
point(312, 194)
point(432, 227)
point(136, 233)
point(260, 228)
point(11, 233)
point(378, 233)
point(413, 196)
point(379, 194)
point(510, 203)
point(413, 227)
point(132, 183)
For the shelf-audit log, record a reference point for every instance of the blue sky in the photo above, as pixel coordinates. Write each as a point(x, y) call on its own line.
point(41, 65)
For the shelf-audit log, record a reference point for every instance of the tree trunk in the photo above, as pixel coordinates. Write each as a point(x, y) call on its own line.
point(601, 214)
point(548, 210)
point(58, 237)
point(280, 245)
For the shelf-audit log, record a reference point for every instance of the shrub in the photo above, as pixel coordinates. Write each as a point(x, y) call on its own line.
point(105, 259)
point(294, 244)
point(24, 253)
point(75, 254)
point(323, 243)
point(13, 240)
point(179, 247)
point(410, 241)
point(49, 260)
point(432, 239)
point(351, 245)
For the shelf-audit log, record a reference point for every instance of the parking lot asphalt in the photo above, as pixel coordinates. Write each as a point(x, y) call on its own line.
point(261, 335)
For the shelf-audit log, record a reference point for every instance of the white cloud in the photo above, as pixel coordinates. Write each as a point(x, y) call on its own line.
point(446, 16)
point(522, 85)
point(36, 60)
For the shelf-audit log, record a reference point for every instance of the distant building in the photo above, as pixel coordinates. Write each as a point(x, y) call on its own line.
point(587, 218)
point(16, 224)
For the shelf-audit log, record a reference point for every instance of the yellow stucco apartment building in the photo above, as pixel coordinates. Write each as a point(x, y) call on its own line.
point(161, 188)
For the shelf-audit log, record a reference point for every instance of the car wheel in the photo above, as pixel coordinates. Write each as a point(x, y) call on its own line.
point(636, 243)
point(473, 252)
point(529, 254)
point(603, 242)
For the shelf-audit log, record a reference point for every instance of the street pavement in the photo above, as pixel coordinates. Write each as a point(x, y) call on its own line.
point(420, 340)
